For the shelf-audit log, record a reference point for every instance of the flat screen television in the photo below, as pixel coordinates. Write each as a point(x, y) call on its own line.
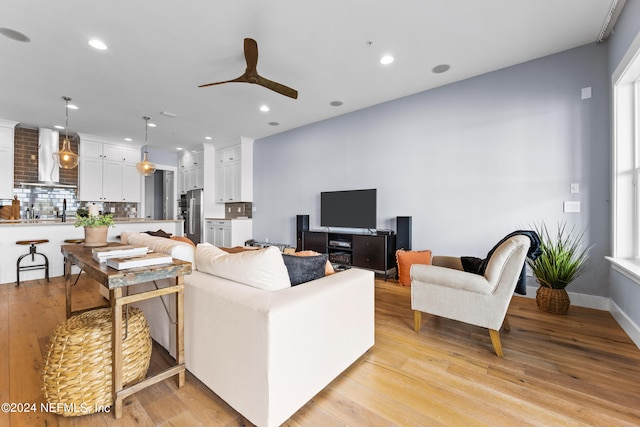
point(348, 209)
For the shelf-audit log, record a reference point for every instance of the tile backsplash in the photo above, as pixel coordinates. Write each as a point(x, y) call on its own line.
point(47, 202)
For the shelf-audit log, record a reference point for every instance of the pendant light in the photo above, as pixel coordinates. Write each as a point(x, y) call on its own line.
point(145, 167)
point(66, 158)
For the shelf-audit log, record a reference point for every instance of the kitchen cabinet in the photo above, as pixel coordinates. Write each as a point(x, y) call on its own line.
point(6, 158)
point(228, 154)
point(218, 232)
point(234, 174)
point(191, 171)
point(107, 172)
point(228, 232)
point(228, 182)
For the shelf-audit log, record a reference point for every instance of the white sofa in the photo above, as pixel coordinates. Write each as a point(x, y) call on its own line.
point(266, 353)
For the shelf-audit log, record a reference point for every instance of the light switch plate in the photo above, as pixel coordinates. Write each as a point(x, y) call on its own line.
point(571, 207)
point(575, 188)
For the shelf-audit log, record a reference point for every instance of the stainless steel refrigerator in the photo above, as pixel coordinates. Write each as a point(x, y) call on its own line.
point(194, 221)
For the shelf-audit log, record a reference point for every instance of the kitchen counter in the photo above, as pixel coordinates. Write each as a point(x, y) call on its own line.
point(58, 221)
point(57, 232)
point(229, 219)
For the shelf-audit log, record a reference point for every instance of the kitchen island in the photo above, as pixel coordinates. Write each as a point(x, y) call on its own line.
point(57, 232)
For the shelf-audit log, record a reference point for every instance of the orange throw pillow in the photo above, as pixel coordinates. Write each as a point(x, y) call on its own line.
point(183, 239)
point(404, 260)
point(328, 268)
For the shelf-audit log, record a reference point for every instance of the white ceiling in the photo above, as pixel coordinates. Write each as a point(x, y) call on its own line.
point(160, 51)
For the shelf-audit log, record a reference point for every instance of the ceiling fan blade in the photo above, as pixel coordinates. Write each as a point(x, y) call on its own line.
point(251, 55)
point(277, 87)
point(251, 73)
point(241, 79)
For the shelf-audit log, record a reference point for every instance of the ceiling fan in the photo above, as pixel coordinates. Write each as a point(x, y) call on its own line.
point(251, 73)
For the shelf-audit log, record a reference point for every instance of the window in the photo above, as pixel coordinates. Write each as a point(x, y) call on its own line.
point(626, 157)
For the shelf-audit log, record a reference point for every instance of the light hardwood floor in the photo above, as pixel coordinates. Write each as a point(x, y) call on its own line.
point(579, 369)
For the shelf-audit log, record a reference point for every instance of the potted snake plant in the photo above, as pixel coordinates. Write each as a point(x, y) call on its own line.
point(564, 258)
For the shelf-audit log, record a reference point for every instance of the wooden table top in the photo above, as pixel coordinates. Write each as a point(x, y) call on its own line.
point(81, 256)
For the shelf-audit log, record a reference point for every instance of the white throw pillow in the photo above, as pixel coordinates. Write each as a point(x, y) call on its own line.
point(262, 269)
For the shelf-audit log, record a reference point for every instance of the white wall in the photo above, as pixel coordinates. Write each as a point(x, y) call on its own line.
point(470, 162)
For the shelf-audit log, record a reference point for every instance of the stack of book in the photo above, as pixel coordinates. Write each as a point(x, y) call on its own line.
point(145, 260)
point(103, 254)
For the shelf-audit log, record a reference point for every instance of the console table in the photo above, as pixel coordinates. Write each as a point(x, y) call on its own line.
point(371, 251)
point(117, 281)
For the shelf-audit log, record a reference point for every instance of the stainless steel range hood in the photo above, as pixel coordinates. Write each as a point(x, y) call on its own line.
point(48, 169)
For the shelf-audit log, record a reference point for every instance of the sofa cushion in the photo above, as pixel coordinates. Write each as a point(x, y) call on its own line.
point(404, 261)
point(304, 268)
point(262, 269)
point(328, 267)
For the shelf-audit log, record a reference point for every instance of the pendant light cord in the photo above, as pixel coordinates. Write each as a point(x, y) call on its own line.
point(66, 116)
point(146, 129)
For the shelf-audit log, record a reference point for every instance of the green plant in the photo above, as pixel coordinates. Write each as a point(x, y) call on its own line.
point(94, 221)
point(82, 212)
point(563, 258)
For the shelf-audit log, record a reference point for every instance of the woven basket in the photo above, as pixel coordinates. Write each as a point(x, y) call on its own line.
point(76, 375)
point(555, 301)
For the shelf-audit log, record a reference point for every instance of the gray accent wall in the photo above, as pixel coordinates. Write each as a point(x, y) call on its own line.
point(470, 161)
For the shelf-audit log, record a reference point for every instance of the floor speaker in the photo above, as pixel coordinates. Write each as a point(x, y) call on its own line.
point(403, 232)
point(302, 224)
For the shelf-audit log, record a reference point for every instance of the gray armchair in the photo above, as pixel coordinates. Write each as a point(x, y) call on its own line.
point(445, 290)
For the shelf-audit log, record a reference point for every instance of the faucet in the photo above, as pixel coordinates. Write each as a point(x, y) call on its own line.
point(64, 210)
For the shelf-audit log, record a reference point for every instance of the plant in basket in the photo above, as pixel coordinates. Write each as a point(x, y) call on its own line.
point(563, 259)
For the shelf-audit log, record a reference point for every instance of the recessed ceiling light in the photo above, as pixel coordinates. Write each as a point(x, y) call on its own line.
point(386, 60)
point(59, 127)
point(274, 124)
point(14, 35)
point(442, 68)
point(208, 137)
point(336, 103)
point(264, 108)
point(72, 107)
point(128, 139)
point(179, 148)
point(97, 44)
point(151, 125)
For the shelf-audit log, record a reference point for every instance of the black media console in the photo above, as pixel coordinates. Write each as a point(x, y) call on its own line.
point(371, 251)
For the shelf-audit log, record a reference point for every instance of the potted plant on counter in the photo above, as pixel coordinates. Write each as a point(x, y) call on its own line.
point(95, 228)
point(563, 259)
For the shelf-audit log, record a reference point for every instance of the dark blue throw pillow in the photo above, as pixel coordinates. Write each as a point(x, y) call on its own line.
point(304, 268)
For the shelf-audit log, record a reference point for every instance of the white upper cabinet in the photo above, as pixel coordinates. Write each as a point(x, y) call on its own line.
point(6, 158)
point(191, 171)
point(234, 174)
point(106, 171)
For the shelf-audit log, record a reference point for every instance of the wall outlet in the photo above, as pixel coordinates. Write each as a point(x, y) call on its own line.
point(113, 209)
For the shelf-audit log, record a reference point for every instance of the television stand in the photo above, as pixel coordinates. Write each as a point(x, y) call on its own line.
point(369, 251)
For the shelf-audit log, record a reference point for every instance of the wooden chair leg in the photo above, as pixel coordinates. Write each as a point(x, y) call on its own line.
point(417, 320)
point(505, 324)
point(495, 340)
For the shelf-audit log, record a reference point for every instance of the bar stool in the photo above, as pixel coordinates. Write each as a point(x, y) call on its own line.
point(33, 253)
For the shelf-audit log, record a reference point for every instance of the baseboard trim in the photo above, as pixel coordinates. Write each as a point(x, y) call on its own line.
point(626, 323)
point(600, 303)
point(579, 300)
